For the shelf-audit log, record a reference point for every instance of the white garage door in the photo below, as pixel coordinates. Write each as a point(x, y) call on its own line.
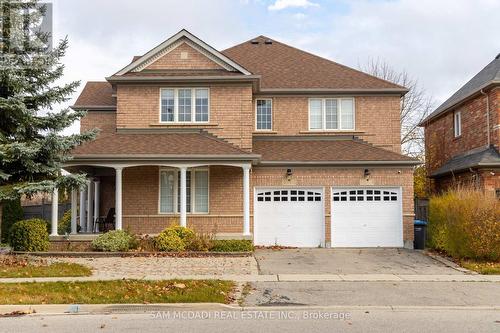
point(289, 217)
point(366, 217)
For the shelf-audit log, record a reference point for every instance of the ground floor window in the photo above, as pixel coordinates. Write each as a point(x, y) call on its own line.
point(196, 191)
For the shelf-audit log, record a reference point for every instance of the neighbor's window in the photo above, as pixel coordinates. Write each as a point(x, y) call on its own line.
point(457, 123)
point(264, 114)
point(331, 114)
point(196, 191)
point(184, 105)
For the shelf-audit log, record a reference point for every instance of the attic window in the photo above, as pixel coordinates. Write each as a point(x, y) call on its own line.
point(184, 55)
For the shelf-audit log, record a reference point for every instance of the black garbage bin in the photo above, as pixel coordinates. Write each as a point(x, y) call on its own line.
point(419, 229)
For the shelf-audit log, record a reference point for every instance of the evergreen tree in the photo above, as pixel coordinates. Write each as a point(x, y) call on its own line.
point(32, 149)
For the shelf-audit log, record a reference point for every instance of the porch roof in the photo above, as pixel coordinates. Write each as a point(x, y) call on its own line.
point(341, 150)
point(192, 145)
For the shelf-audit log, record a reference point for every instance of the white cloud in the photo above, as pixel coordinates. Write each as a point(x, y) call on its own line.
point(283, 4)
point(299, 16)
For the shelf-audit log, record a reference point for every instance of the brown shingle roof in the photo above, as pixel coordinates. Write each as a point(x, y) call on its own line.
point(96, 94)
point(322, 150)
point(175, 143)
point(283, 66)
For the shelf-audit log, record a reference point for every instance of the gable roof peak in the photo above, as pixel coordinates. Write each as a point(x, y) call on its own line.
point(217, 56)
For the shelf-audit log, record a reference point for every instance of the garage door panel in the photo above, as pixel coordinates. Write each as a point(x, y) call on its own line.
point(366, 217)
point(289, 217)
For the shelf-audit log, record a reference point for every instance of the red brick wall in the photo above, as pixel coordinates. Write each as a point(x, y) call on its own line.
point(377, 119)
point(441, 145)
point(103, 120)
point(230, 111)
point(140, 195)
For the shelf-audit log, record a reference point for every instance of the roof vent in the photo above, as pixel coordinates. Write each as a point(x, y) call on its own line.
point(268, 42)
point(254, 41)
point(498, 56)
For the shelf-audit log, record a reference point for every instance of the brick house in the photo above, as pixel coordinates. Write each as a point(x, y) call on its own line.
point(462, 136)
point(260, 141)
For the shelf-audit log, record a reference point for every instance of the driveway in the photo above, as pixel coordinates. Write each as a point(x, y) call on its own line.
point(349, 261)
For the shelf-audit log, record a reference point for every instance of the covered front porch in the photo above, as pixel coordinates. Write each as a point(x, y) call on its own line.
point(145, 198)
point(146, 180)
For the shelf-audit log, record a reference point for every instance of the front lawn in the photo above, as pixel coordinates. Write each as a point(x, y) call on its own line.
point(119, 291)
point(12, 266)
point(490, 268)
point(52, 270)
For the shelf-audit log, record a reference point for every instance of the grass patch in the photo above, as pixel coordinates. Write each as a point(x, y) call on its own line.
point(487, 268)
point(119, 291)
point(51, 270)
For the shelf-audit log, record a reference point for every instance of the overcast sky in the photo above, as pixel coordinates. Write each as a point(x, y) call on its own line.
point(442, 43)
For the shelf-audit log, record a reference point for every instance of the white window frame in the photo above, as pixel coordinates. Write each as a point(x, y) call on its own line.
point(457, 124)
point(177, 190)
point(339, 114)
point(176, 105)
point(272, 114)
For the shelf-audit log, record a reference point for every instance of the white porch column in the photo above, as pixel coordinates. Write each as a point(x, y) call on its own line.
point(73, 211)
point(183, 219)
point(118, 199)
point(83, 216)
point(55, 207)
point(246, 200)
point(96, 202)
point(90, 213)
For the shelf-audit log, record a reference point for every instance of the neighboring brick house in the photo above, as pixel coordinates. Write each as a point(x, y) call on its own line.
point(260, 141)
point(462, 136)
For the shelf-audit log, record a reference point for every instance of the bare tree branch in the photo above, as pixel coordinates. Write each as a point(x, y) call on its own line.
point(415, 105)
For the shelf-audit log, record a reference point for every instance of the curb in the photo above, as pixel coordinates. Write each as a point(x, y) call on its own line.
point(449, 263)
point(89, 309)
point(91, 254)
point(276, 278)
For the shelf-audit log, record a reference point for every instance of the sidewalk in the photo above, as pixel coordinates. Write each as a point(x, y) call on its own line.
point(278, 278)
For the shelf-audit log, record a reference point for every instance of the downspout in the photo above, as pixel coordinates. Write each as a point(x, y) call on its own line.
point(487, 117)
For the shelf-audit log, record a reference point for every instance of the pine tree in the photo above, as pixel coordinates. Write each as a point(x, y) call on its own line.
point(32, 149)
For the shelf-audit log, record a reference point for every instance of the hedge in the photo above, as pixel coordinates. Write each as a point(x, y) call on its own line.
point(465, 223)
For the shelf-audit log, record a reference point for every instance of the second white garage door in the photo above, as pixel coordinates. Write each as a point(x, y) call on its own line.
point(289, 217)
point(366, 217)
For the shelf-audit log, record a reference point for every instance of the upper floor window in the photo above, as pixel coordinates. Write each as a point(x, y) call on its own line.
point(457, 123)
point(184, 105)
point(331, 114)
point(264, 114)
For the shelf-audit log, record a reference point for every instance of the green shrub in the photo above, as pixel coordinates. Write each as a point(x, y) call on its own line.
point(232, 245)
point(11, 213)
point(465, 224)
point(168, 240)
point(115, 241)
point(64, 224)
point(29, 235)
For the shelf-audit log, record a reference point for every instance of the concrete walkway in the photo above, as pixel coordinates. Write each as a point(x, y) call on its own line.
point(282, 278)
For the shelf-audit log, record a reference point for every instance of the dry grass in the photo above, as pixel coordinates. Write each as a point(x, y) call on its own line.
point(22, 267)
point(487, 268)
point(119, 291)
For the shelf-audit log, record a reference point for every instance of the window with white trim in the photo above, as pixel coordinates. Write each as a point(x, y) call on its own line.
point(184, 105)
point(264, 114)
point(331, 114)
point(196, 191)
point(457, 123)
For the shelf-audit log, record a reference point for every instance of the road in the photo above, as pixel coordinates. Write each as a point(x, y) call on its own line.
point(372, 320)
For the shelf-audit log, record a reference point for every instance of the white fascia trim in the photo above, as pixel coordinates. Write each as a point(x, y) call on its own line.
point(166, 44)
